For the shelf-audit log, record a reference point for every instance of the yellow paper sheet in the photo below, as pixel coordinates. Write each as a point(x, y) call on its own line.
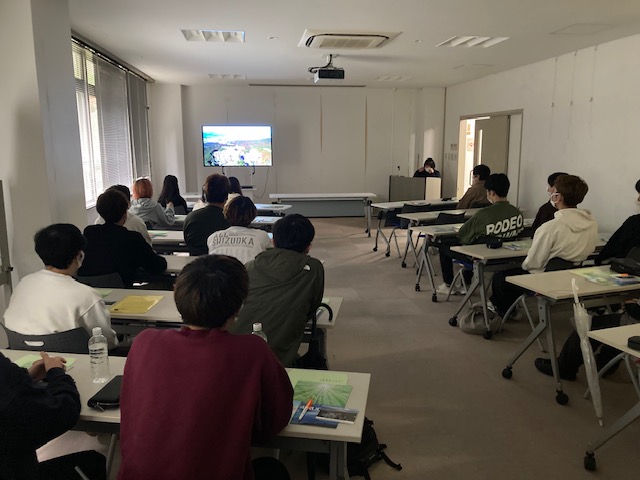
point(28, 360)
point(136, 304)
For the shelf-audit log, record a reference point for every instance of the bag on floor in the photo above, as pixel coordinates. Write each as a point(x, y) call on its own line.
point(472, 320)
point(360, 456)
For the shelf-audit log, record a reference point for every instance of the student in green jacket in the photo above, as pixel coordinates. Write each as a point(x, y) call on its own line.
point(285, 288)
point(501, 220)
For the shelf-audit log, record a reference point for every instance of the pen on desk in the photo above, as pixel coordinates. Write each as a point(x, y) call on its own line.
point(305, 409)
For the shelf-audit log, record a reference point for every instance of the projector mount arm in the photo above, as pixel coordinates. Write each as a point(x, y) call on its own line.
point(328, 65)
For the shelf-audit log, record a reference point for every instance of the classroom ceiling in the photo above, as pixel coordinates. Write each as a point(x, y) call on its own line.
point(147, 35)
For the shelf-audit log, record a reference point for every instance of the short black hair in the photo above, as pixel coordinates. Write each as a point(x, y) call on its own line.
point(638, 186)
point(293, 232)
point(122, 189)
point(554, 176)
point(429, 161)
point(210, 290)
point(58, 244)
point(482, 171)
point(216, 188)
point(112, 205)
point(499, 183)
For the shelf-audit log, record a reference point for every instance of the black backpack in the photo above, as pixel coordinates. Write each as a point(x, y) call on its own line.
point(360, 456)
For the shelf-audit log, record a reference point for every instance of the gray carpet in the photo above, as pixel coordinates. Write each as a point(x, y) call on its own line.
point(437, 395)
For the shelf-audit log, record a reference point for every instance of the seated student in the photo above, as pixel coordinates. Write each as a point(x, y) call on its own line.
point(570, 236)
point(133, 222)
point(171, 194)
point(216, 393)
point(570, 359)
point(239, 240)
point(201, 203)
point(200, 224)
point(150, 211)
point(235, 190)
point(33, 412)
point(428, 169)
point(547, 211)
point(50, 300)
point(112, 248)
point(501, 220)
point(285, 288)
point(476, 194)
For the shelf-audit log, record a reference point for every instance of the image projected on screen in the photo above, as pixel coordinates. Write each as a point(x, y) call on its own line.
point(236, 146)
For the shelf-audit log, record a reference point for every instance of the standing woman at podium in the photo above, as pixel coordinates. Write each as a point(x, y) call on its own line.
point(428, 169)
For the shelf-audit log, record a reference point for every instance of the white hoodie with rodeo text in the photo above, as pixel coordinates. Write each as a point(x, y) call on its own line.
point(571, 236)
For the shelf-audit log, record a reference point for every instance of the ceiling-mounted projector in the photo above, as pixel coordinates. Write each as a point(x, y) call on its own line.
point(328, 74)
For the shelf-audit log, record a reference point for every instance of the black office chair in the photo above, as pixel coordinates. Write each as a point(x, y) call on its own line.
point(403, 223)
point(109, 280)
point(71, 341)
point(480, 204)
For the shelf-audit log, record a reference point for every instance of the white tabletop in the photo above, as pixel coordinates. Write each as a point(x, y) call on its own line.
point(80, 371)
point(424, 216)
point(175, 263)
point(617, 337)
point(557, 285)
point(259, 220)
point(274, 207)
point(165, 311)
point(166, 237)
point(321, 196)
point(400, 204)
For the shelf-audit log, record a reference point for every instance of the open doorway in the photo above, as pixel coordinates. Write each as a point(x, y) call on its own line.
point(493, 140)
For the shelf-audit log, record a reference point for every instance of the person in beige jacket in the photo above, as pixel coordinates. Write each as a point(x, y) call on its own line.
point(476, 195)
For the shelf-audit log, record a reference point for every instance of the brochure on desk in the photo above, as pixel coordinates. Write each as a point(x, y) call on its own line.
point(606, 277)
point(322, 415)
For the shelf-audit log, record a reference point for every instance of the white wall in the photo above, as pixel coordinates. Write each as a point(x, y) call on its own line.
point(39, 139)
point(325, 139)
point(580, 115)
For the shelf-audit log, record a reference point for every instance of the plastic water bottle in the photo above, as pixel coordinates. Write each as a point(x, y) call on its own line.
point(99, 357)
point(257, 330)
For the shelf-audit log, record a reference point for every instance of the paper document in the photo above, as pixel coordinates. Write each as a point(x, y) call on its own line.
point(322, 393)
point(158, 233)
point(28, 360)
point(103, 292)
point(606, 277)
point(319, 376)
point(136, 304)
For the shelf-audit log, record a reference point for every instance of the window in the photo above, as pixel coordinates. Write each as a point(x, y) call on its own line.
point(112, 115)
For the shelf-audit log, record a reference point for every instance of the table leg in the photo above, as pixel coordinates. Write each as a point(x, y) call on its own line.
point(544, 311)
point(367, 214)
point(620, 424)
point(113, 442)
point(338, 461)
point(380, 233)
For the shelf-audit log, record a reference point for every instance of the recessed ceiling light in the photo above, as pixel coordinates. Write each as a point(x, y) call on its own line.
point(392, 78)
point(227, 36)
point(272, 38)
point(417, 41)
point(227, 76)
point(582, 29)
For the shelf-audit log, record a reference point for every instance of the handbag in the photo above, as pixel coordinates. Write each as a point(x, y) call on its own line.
point(313, 359)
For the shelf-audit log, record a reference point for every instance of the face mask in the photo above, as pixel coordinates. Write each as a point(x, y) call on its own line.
point(638, 201)
point(552, 201)
point(80, 259)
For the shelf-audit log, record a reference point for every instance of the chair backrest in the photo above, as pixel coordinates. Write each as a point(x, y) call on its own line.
point(480, 204)
point(449, 218)
point(180, 210)
point(71, 341)
point(556, 264)
point(109, 280)
point(411, 208)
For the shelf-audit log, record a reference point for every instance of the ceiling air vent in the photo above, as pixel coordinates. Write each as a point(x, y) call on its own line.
point(345, 40)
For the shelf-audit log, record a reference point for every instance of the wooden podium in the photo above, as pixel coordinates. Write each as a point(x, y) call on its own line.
point(410, 188)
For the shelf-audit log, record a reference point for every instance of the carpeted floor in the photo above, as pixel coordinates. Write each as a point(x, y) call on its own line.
point(437, 396)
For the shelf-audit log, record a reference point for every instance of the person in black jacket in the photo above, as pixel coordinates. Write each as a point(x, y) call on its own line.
point(624, 239)
point(33, 413)
point(428, 169)
point(171, 194)
point(112, 248)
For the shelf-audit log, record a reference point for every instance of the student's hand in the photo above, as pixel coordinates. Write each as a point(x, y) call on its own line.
point(169, 204)
point(430, 170)
point(52, 362)
point(37, 371)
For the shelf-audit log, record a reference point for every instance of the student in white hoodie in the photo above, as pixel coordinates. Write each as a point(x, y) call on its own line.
point(570, 236)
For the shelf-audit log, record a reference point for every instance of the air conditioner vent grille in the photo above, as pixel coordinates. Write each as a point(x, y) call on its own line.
point(345, 40)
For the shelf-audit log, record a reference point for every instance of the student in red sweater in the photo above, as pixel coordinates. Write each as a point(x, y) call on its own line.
point(194, 400)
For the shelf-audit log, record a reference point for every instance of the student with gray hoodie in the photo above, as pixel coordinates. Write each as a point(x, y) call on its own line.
point(570, 236)
point(151, 212)
point(285, 288)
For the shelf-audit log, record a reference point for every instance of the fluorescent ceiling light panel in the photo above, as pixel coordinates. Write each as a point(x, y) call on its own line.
point(224, 36)
point(227, 76)
point(472, 41)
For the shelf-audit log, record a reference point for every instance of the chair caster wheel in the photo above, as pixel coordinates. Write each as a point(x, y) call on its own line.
point(375, 249)
point(487, 335)
point(417, 287)
point(453, 321)
point(590, 462)
point(507, 373)
point(404, 265)
point(387, 254)
point(434, 297)
point(562, 398)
